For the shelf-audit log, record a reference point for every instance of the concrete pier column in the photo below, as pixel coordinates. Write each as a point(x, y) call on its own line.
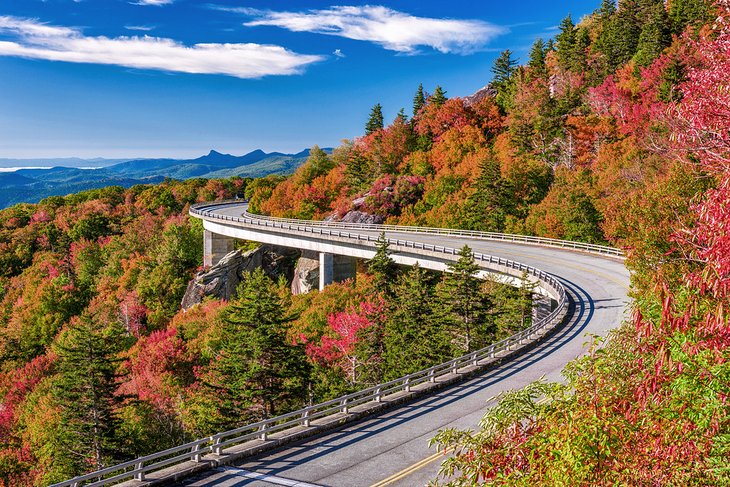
point(215, 247)
point(326, 269)
point(542, 306)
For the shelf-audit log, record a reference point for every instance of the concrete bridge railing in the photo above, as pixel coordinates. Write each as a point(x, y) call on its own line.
point(226, 446)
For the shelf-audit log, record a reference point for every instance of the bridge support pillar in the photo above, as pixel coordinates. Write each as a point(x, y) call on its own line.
point(335, 268)
point(542, 306)
point(326, 269)
point(215, 247)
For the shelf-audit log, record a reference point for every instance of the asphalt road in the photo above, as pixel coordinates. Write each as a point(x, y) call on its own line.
point(393, 446)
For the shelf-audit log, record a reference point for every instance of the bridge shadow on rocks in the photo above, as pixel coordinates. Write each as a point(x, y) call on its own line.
point(307, 454)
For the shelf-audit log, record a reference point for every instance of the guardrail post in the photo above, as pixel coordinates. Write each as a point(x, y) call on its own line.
point(474, 359)
point(139, 476)
point(454, 368)
point(305, 418)
point(378, 394)
point(344, 408)
point(407, 384)
point(431, 376)
point(217, 445)
point(196, 453)
point(263, 434)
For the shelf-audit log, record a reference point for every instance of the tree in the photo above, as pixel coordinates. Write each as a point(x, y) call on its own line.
point(413, 339)
point(85, 391)
point(566, 41)
point(463, 303)
point(491, 202)
point(502, 69)
point(438, 98)
point(382, 267)
point(257, 372)
point(655, 36)
point(688, 12)
point(375, 122)
point(536, 61)
point(419, 100)
point(620, 36)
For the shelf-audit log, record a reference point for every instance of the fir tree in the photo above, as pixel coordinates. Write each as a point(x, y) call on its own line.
point(566, 42)
point(486, 209)
point(688, 12)
point(439, 97)
point(620, 36)
point(413, 339)
point(536, 62)
point(655, 36)
point(462, 302)
point(502, 69)
point(419, 100)
point(375, 122)
point(382, 267)
point(607, 9)
point(512, 311)
point(85, 391)
point(257, 373)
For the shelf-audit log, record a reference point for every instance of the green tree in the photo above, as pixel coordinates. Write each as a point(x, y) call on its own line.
point(655, 36)
point(688, 12)
point(462, 302)
point(512, 311)
point(85, 391)
point(375, 121)
point(257, 372)
point(439, 97)
point(413, 338)
point(536, 61)
point(503, 81)
point(318, 164)
point(620, 36)
point(491, 202)
point(382, 267)
point(419, 100)
point(565, 41)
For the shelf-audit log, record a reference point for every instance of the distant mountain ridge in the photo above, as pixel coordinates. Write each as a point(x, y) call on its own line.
point(32, 185)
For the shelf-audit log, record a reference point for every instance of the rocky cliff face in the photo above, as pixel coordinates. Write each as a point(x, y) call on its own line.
point(306, 273)
point(222, 279)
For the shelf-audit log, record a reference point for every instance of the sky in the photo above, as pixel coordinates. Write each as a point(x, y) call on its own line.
point(177, 78)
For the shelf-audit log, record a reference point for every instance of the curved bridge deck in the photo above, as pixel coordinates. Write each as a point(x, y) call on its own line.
point(393, 446)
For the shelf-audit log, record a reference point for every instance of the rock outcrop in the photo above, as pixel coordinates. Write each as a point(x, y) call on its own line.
point(356, 216)
point(306, 273)
point(222, 279)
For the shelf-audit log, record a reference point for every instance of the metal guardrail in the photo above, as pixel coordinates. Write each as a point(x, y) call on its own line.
point(216, 444)
point(504, 237)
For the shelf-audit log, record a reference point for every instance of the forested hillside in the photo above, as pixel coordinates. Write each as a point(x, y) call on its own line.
point(616, 131)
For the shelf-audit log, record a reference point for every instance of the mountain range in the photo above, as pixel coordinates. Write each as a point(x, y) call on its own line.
point(40, 178)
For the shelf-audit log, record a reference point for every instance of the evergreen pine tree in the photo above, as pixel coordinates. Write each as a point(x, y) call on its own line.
point(375, 122)
point(85, 391)
point(655, 36)
point(688, 12)
point(607, 9)
point(502, 69)
point(419, 100)
point(413, 339)
point(402, 116)
point(463, 303)
point(382, 267)
point(620, 36)
point(566, 42)
point(486, 209)
point(439, 97)
point(512, 311)
point(257, 373)
point(536, 61)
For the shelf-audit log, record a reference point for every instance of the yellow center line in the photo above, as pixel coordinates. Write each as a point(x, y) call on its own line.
point(422, 463)
point(406, 472)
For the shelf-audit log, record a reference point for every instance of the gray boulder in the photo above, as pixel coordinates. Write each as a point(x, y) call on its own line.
point(221, 280)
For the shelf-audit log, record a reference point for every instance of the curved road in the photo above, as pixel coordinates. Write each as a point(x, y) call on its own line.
point(391, 448)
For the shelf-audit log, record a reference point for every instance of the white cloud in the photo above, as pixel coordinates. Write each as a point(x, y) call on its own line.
point(339, 53)
point(396, 31)
point(156, 3)
point(144, 28)
point(35, 40)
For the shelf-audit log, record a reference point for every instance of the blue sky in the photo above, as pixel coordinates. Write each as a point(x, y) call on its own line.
point(155, 78)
